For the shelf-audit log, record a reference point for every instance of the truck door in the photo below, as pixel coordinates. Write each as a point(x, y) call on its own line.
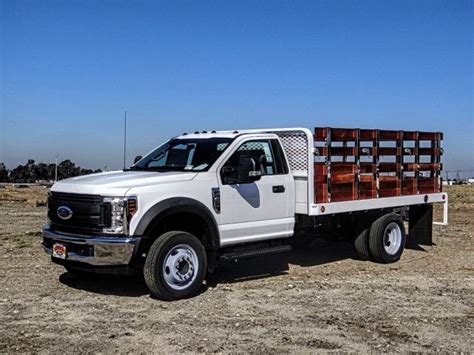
point(257, 210)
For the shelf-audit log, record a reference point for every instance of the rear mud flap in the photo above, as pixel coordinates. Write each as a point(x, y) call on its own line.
point(420, 225)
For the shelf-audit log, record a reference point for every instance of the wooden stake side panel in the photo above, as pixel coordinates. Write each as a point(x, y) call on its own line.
point(357, 164)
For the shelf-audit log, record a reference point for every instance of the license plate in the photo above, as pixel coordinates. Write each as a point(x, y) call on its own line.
point(59, 251)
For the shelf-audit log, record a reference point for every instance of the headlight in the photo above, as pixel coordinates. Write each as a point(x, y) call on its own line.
point(121, 211)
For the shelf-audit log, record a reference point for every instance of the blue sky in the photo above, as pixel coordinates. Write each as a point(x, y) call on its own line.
point(70, 69)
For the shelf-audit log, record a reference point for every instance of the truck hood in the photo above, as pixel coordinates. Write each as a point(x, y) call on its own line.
point(117, 183)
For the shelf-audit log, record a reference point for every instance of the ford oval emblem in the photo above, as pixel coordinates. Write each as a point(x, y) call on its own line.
point(64, 212)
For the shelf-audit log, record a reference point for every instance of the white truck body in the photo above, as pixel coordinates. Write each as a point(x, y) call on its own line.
point(244, 213)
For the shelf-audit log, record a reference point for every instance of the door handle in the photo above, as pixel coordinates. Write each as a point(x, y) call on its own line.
point(278, 189)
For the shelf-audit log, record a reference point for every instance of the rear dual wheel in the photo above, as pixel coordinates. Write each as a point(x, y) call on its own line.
point(361, 241)
point(383, 241)
point(387, 238)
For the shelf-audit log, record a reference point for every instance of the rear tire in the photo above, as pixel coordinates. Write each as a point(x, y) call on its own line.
point(361, 242)
point(175, 266)
point(387, 238)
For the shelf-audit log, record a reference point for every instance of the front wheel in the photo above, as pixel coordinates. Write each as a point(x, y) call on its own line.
point(175, 266)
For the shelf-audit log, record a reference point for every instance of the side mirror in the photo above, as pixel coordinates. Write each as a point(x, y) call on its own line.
point(244, 173)
point(247, 170)
point(137, 158)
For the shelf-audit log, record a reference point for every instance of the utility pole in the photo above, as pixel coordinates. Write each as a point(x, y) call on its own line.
point(125, 141)
point(56, 168)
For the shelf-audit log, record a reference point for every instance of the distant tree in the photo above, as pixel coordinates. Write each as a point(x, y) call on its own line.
point(24, 173)
point(89, 171)
point(31, 172)
point(67, 169)
point(51, 169)
point(3, 173)
point(17, 174)
point(43, 171)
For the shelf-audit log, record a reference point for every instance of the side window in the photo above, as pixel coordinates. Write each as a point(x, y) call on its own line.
point(282, 167)
point(260, 151)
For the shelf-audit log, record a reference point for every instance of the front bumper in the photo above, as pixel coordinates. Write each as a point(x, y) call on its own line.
point(93, 250)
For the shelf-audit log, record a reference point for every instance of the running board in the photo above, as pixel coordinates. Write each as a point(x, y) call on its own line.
point(255, 253)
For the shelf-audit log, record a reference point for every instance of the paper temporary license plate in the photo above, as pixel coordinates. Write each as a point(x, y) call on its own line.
point(59, 251)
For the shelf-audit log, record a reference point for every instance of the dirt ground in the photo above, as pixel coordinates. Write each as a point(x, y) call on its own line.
point(318, 299)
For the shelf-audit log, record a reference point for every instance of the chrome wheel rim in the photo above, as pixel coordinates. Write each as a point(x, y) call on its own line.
point(180, 267)
point(392, 239)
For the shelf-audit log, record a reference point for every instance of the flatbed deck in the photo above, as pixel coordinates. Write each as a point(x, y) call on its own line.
point(318, 209)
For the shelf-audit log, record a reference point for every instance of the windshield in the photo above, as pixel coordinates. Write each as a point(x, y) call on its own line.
point(184, 154)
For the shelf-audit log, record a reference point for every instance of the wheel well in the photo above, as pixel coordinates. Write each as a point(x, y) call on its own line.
point(179, 214)
point(180, 221)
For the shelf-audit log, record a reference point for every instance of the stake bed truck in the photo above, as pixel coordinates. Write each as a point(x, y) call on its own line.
point(208, 196)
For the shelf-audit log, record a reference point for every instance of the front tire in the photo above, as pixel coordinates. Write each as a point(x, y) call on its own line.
point(175, 266)
point(387, 238)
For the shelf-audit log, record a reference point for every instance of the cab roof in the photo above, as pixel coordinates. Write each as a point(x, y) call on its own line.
point(231, 134)
point(209, 134)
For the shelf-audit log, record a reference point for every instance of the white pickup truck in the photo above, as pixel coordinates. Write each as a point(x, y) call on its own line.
point(205, 196)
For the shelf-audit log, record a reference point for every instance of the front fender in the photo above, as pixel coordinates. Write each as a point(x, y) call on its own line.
point(174, 205)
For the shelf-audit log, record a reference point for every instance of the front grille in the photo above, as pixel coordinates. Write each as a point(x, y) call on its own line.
point(76, 197)
point(89, 213)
